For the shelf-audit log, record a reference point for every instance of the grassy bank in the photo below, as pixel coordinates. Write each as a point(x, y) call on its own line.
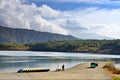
point(113, 71)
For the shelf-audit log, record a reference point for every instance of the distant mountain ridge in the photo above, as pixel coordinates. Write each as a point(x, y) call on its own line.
point(29, 36)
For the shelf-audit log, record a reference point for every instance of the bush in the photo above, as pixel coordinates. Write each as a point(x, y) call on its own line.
point(112, 68)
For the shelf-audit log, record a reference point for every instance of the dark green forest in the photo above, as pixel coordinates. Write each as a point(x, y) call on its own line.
point(84, 46)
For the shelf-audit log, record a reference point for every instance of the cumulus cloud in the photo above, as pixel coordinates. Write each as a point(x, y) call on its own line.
point(44, 10)
point(84, 23)
point(17, 14)
point(90, 22)
point(100, 21)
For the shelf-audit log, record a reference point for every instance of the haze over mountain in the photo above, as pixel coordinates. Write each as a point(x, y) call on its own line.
point(29, 36)
point(85, 19)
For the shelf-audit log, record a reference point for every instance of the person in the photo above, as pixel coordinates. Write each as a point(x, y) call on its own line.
point(63, 67)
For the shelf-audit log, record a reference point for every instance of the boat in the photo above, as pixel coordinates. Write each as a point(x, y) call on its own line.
point(33, 70)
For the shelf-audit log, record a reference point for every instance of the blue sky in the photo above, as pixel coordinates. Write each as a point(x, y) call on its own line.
point(84, 19)
point(72, 5)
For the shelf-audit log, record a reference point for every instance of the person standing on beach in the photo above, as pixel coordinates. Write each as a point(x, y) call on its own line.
point(63, 67)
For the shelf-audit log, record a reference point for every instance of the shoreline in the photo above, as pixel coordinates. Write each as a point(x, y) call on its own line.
point(95, 53)
point(80, 71)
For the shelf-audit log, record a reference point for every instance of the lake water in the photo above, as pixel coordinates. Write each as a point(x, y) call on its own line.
point(11, 61)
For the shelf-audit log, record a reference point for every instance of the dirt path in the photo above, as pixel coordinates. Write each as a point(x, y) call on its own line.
point(87, 73)
point(79, 72)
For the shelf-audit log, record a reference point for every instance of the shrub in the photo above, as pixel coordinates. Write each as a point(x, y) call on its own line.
point(112, 68)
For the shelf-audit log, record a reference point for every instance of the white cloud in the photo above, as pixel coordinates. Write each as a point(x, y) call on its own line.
point(83, 23)
point(100, 21)
point(92, 21)
point(48, 12)
point(16, 14)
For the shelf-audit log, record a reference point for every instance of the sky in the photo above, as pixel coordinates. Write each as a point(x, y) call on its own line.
point(84, 19)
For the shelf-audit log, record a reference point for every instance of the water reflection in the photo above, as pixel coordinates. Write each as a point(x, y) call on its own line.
point(11, 63)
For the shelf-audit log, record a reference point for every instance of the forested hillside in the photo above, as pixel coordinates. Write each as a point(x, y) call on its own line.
point(29, 36)
point(85, 46)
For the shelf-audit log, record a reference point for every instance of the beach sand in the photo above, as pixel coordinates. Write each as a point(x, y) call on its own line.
point(78, 72)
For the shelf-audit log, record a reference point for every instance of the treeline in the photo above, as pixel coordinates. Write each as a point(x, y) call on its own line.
point(13, 46)
point(85, 46)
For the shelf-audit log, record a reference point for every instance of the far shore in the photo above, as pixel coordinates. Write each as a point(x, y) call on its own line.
point(81, 72)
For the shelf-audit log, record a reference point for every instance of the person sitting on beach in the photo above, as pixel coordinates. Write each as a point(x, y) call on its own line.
point(63, 67)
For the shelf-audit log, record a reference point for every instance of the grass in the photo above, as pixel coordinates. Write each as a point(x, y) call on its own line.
point(116, 78)
point(112, 70)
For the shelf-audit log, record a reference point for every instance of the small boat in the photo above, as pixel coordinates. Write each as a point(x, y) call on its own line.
point(33, 70)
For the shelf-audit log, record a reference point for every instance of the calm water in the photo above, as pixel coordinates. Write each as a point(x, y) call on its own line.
point(11, 61)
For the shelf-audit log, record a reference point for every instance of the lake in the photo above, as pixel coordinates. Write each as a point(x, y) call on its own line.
point(11, 61)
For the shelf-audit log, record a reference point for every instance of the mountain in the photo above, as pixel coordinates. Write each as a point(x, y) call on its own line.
point(28, 36)
point(93, 36)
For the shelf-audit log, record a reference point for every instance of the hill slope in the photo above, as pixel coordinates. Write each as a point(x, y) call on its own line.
point(28, 36)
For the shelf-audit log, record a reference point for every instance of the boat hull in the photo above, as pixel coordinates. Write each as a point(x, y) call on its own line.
point(32, 70)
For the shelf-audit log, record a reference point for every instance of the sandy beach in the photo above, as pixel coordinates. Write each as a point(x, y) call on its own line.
point(78, 72)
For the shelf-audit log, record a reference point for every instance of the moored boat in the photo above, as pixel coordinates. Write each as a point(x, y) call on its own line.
point(33, 70)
